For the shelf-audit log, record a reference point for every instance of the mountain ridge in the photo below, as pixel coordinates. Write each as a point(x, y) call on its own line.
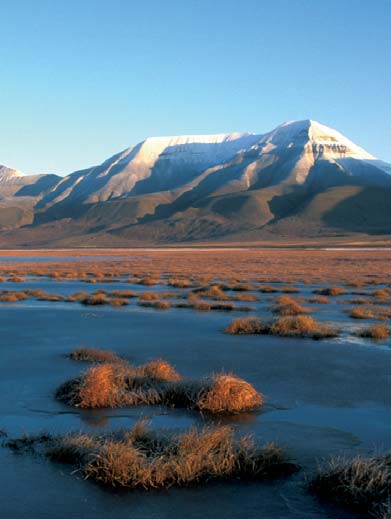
point(302, 179)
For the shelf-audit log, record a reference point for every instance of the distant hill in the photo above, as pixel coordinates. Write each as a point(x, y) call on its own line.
point(301, 181)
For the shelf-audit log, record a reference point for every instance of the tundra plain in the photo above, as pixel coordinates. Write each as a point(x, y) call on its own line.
point(276, 360)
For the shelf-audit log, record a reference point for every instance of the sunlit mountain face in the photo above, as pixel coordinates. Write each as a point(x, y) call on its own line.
point(302, 179)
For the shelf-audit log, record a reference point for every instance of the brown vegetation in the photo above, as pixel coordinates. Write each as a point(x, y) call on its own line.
point(382, 293)
point(95, 300)
point(363, 484)
point(322, 300)
point(179, 283)
point(361, 312)
point(301, 326)
point(246, 326)
point(12, 297)
point(356, 268)
point(119, 301)
point(44, 296)
point(377, 332)
point(149, 281)
point(212, 292)
point(288, 326)
point(268, 289)
point(227, 393)
point(246, 297)
point(119, 384)
point(286, 305)
point(289, 289)
point(330, 291)
point(127, 294)
point(160, 305)
point(146, 459)
point(357, 301)
point(88, 354)
point(150, 296)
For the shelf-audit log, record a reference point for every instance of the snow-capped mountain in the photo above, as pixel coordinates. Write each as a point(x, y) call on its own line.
point(156, 164)
point(301, 178)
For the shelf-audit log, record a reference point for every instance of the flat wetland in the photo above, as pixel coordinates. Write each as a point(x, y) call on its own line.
point(322, 398)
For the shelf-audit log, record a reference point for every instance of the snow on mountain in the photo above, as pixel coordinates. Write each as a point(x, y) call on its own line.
point(8, 173)
point(156, 164)
point(296, 152)
point(232, 181)
point(299, 150)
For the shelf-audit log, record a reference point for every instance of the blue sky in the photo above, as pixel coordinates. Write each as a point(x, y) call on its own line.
point(83, 79)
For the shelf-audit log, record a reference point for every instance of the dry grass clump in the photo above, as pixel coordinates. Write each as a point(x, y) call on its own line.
point(268, 289)
point(206, 306)
point(100, 386)
point(118, 301)
point(238, 287)
point(146, 459)
point(77, 297)
point(13, 297)
point(136, 280)
point(44, 296)
point(287, 326)
point(246, 326)
point(228, 394)
point(330, 291)
point(358, 301)
point(286, 305)
point(217, 394)
point(382, 293)
point(119, 384)
point(377, 332)
point(148, 281)
point(212, 292)
point(95, 300)
point(202, 306)
point(362, 484)
point(151, 296)
point(160, 370)
point(225, 307)
point(362, 313)
point(246, 297)
point(289, 289)
point(301, 326)
point(116, 384)
point(196, 304)
point(180, 283)
point(40, 295)
point(87, 354)
point(322, 300)
point(127, 294)
point(160, 305)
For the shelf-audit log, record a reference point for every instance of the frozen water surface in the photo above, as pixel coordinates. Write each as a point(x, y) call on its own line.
point(323, 398)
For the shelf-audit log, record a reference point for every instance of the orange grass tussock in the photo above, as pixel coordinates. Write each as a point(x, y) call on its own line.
point(377, 332)
point(362, 484)
point(287, 326)
point(286, 305)
point(145, 459)
point(88, 354)
point(119, 384)
point(228, 393)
